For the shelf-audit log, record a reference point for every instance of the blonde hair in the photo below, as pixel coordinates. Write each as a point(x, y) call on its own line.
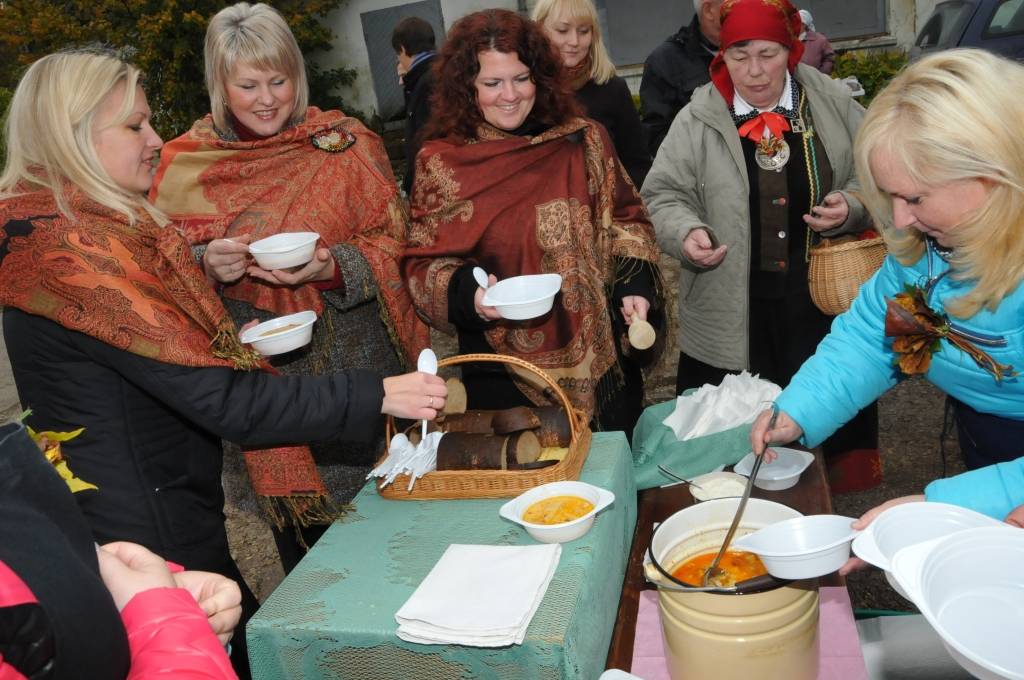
point(49, 130)
point(601, 67)
point(950, 117)
point(257, 36)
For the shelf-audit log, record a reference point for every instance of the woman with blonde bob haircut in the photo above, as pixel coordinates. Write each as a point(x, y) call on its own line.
point(941, 165)
point(256, 35)
point(265, 163)
point(111, 327)
point(573, 28)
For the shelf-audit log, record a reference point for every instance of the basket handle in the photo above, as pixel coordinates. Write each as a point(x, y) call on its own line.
point(570, 412)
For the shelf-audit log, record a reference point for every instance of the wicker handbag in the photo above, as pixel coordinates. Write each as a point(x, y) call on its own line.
point(838, 267)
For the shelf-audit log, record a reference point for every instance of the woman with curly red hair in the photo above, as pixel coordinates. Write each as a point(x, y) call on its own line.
point(514, 180)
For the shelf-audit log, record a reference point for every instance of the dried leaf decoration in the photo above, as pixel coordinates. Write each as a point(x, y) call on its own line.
point(917, 330)
point(49, 443)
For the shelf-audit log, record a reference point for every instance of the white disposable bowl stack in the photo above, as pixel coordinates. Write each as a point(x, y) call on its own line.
point(970, 587)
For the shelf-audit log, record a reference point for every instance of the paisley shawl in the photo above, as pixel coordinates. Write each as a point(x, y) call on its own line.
point(557, 202)
point(137, 287)
point(217, 188)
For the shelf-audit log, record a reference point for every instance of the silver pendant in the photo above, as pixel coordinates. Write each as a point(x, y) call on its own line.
point(777, 161)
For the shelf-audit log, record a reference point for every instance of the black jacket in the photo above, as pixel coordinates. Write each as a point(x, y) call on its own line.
point(611, 105)
point(152, 442)
point(73, 629)
point(417, 85)
point(672, 72)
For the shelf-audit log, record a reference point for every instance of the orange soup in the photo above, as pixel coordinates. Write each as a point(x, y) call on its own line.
point(739, 565)
point(557, 510)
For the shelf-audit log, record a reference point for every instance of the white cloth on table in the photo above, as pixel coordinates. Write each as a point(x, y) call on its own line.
point(479, 595)
point(715, 408)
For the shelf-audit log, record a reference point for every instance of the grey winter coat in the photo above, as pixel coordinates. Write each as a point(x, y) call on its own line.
point(699, 180)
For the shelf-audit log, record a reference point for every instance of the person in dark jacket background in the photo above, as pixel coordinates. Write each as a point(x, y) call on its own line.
point(676, 68)
point(573, 28)
point(413, 42)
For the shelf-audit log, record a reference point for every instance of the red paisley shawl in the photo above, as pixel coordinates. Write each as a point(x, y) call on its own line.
point(137, 287)
point(558, 203)
point(217, 189)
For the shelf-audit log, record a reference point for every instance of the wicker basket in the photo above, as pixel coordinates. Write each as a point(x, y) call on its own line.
point(453, 484)
point(838, 268)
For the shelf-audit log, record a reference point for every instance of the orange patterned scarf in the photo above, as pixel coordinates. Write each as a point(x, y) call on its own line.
point(557, 202)
point(328, 174)
point(137, 287)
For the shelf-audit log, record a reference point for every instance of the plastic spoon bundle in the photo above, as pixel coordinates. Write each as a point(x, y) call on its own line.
point(403, 457)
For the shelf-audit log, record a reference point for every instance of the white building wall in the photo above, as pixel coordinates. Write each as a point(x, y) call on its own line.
point(350, 46)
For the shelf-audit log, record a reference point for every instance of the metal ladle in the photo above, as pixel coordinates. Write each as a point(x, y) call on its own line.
point(715, 575)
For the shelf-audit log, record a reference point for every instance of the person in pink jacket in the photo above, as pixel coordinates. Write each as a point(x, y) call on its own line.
point(71, 609)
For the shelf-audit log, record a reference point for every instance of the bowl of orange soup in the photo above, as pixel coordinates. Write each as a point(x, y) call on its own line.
point(559, 511)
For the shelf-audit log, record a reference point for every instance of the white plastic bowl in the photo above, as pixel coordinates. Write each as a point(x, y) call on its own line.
point(285, 341)
point(282, 251)
point(781, 473)
point(803, 547)
point(523, 297)
point(717, 485)
point(908, 524)
point(970, 587)
point(557, 533)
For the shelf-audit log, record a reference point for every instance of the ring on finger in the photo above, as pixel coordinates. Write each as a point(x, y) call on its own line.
point(430, 402)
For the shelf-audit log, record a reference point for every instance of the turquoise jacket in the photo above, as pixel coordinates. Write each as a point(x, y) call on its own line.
point(993, 490)
point(854, 364)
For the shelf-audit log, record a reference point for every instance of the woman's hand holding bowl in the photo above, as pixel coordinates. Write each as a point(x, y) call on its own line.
point(225, 259)
point(483, 311)
point(320, 268)
point(699, 249)
point(832, 212)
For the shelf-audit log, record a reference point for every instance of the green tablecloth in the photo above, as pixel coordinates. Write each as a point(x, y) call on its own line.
point(334, 615)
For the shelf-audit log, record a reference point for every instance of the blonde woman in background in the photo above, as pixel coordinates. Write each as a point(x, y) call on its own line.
point(573, 27)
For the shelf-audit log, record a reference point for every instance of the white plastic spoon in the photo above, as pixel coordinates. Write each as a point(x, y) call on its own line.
point(427, 363)
point(481, 277)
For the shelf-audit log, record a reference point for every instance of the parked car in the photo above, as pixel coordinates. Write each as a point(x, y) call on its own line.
point(994, 25)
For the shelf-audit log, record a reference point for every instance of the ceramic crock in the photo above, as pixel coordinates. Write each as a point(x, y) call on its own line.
point(768, 635)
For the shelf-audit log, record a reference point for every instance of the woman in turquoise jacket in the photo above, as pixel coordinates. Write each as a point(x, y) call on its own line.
point(941, 164)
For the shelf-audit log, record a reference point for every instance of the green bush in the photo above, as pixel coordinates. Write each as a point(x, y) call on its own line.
point(873, 69)
point(163, 38)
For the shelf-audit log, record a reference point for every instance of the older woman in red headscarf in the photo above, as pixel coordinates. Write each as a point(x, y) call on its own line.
point(753, 172)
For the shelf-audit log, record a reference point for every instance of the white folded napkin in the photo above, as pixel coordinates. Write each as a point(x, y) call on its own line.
point(479, 595)
point(715, 408)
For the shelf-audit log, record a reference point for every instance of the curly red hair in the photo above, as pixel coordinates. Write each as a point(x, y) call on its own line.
point(454, 101)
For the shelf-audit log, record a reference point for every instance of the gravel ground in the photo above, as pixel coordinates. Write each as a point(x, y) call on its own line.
point(910, 421)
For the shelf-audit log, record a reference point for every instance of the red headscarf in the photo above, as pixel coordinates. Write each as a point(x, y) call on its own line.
point(775, 20)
